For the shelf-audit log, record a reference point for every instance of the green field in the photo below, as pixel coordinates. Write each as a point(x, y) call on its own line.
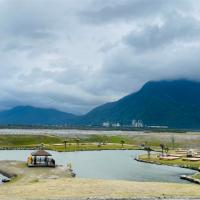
point(56, 143)
point(197, 176)
point(131, 140)
point(177, 162)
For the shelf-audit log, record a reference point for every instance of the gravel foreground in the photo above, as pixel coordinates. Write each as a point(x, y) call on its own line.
point(159, 198)
point(87, 189)
point(56, 184)
point(143, 198)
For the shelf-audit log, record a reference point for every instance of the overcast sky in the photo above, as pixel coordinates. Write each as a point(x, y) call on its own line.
point(73, 55)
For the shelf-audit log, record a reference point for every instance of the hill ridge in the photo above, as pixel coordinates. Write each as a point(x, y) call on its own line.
point(172, 103)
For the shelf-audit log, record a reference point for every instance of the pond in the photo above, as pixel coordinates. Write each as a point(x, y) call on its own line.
point(108, 165)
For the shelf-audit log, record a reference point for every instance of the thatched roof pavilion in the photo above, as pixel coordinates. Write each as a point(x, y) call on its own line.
point(40, 158)
point(41, 152)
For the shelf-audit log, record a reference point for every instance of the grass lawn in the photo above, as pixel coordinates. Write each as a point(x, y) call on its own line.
point(177, 162)
point(91, 147)
point(27, 140)
point(197, 176)
point(56, 143)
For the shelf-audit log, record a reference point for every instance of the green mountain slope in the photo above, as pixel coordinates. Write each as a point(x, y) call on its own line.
point(165, 103)
point(28, 115)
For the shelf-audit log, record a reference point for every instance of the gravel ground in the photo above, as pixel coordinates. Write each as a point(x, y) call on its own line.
point(55, 184)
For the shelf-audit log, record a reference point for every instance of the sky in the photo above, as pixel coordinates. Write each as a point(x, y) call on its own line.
point(73, 55)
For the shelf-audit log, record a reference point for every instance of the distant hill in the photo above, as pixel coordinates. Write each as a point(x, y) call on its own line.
point(165, 103)
point(175, 104)
point(27, 115)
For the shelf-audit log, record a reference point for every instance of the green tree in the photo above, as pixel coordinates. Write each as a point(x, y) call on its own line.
point(122, 143)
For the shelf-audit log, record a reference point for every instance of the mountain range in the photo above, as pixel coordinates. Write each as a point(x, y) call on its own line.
point(175, 104)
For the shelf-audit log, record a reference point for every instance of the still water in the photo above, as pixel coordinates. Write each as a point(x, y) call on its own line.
point(108, 165)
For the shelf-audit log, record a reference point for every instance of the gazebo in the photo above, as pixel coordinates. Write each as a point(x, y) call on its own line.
point(40, 158)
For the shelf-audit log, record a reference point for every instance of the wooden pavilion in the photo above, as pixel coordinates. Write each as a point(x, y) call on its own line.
point(40, 158)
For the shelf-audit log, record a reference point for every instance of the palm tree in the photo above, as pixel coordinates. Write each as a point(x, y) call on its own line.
point(148, 149)
point(122, 143)
point(162, 148)
point(65, 143)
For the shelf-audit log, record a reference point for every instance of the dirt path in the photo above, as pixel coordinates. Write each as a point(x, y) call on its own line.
point(43, 184)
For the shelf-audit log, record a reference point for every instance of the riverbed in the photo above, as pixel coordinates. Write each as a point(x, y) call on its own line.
point(113, 165)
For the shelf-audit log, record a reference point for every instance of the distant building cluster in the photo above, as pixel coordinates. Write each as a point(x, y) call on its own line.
point(137, 123)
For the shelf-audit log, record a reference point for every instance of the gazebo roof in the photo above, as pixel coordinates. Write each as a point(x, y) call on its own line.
point(41, 153)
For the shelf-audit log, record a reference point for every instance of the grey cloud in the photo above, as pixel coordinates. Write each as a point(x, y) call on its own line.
point(132, 10)
point(19, 19)
point(130, 71)
point(175, 29)
point(12, 47)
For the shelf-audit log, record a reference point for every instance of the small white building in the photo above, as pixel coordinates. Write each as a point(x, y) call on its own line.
point(106, 124)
